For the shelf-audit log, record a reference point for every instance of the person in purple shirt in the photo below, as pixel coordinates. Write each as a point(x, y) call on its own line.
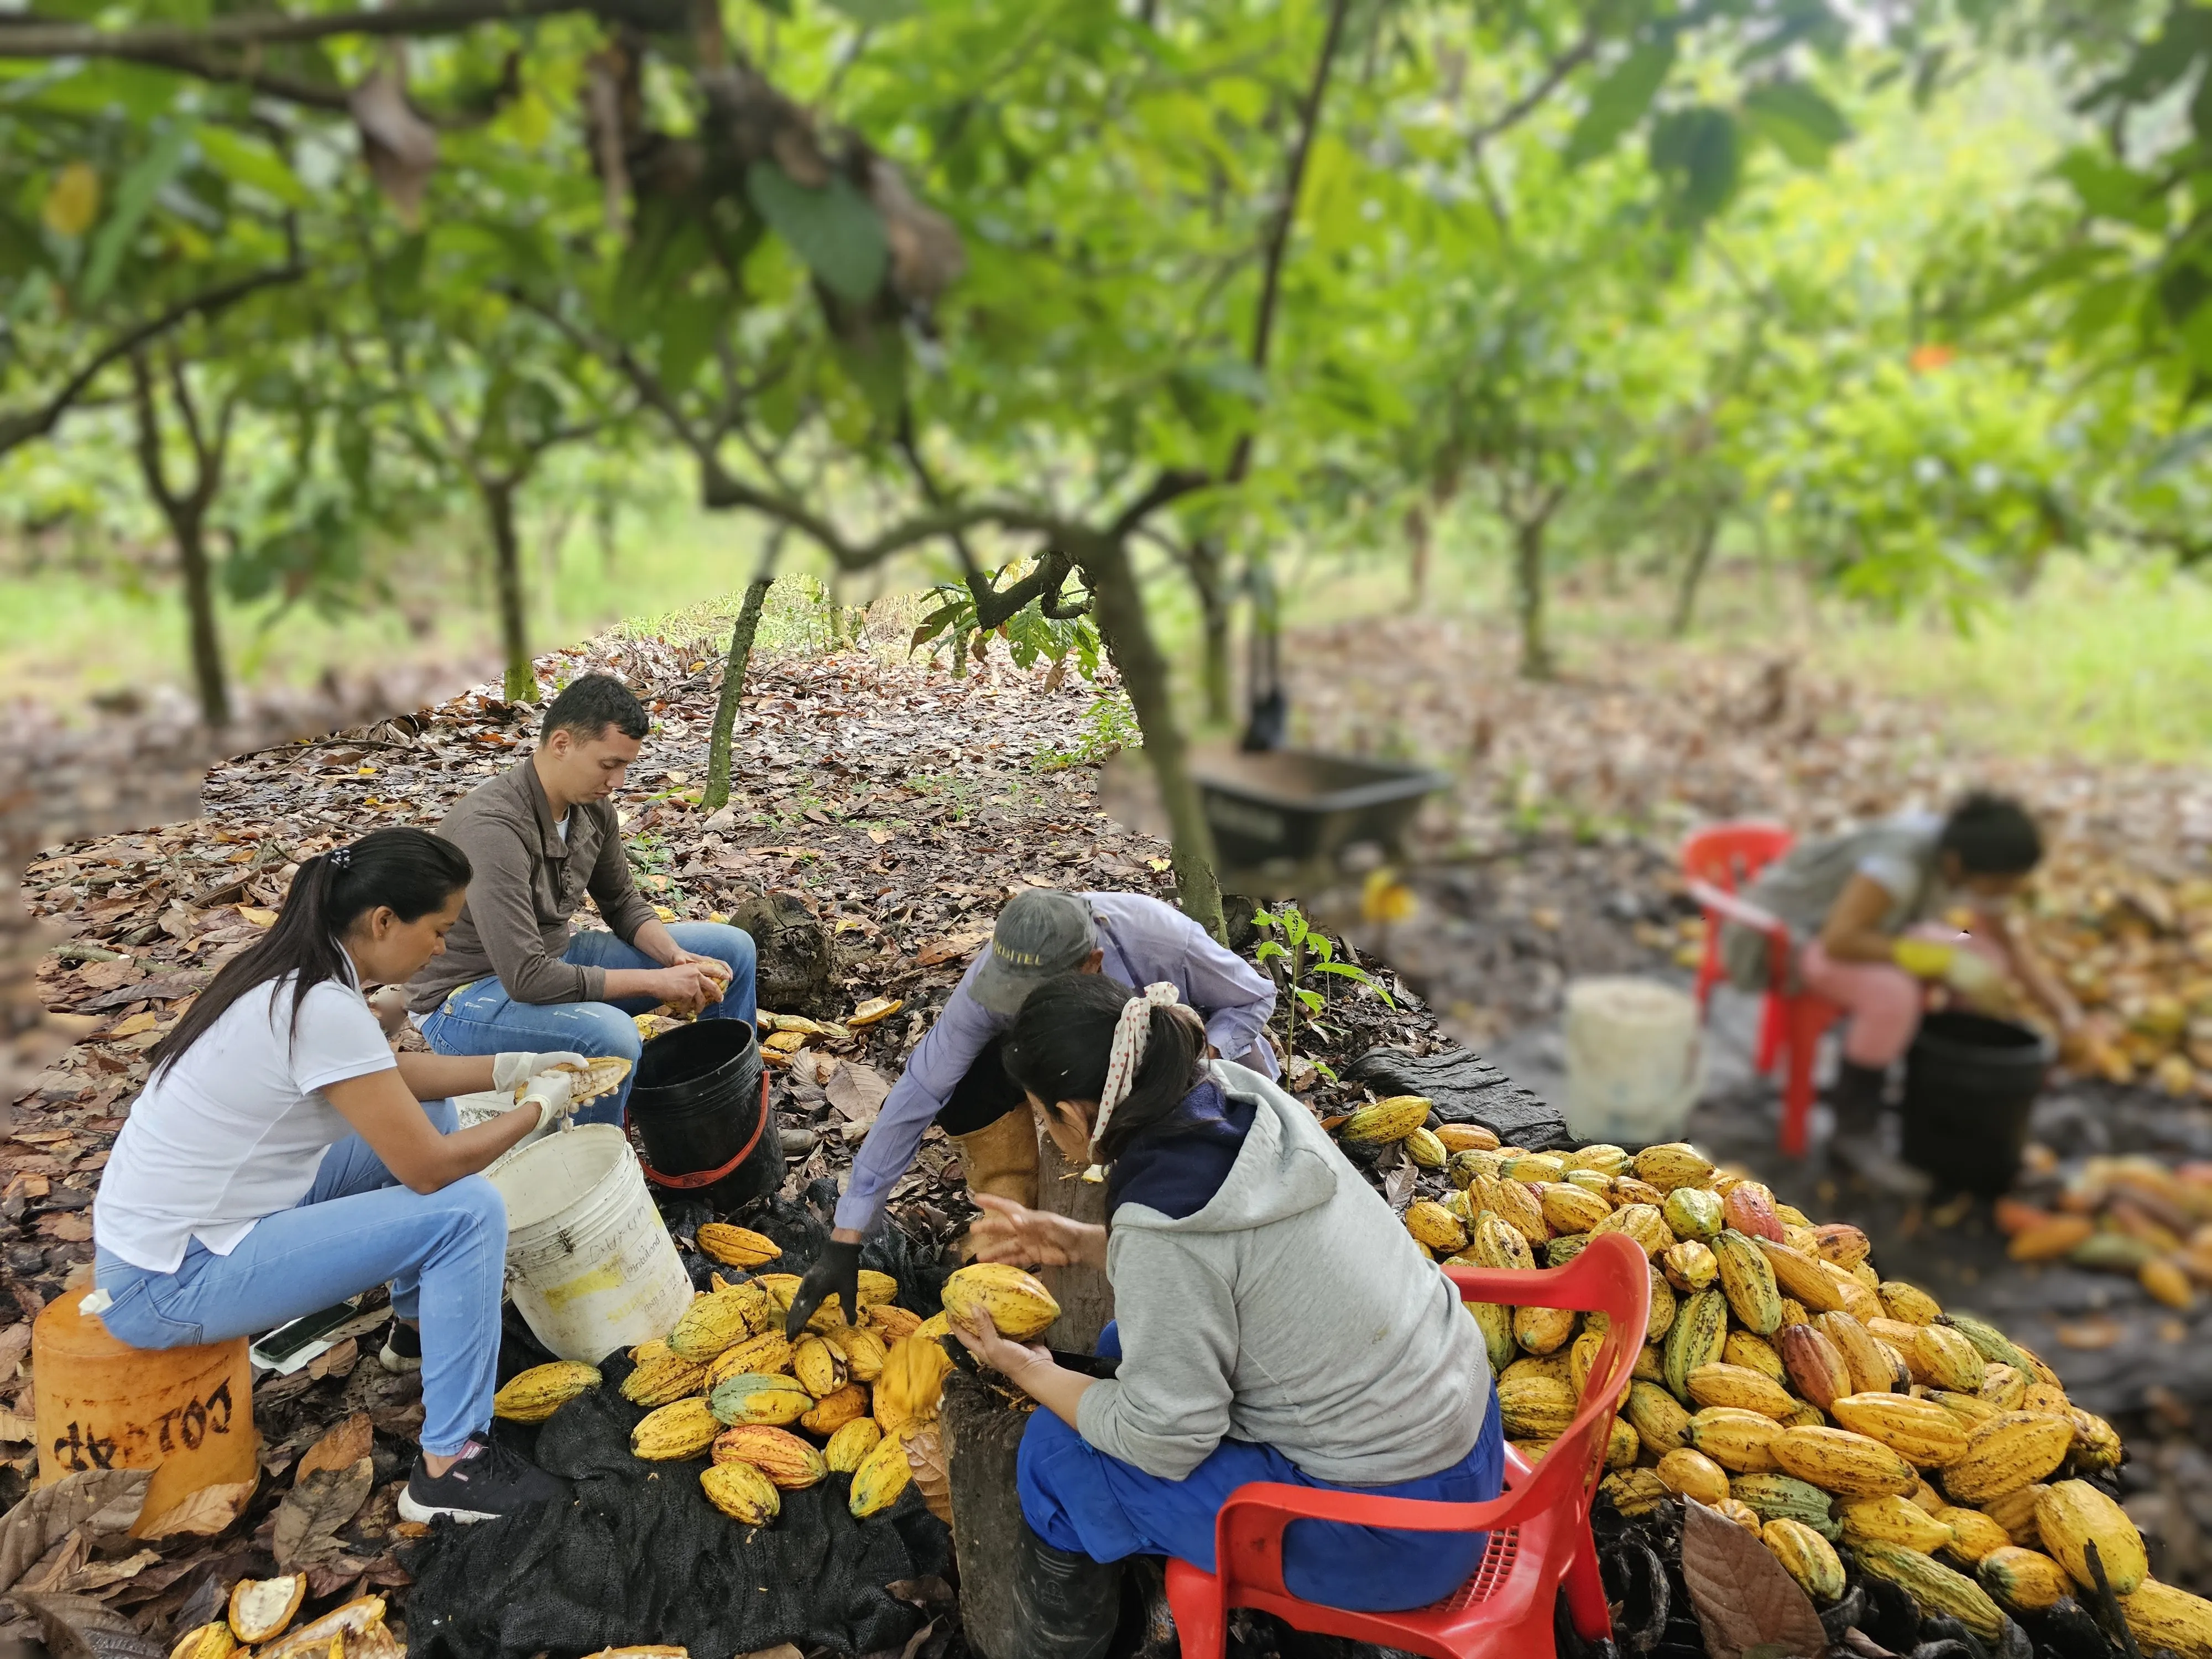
point(955, 1077)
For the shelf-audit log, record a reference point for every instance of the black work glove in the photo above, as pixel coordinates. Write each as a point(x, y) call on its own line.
point(835, 1272)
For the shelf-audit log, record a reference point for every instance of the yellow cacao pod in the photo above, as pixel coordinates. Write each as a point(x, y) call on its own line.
point(1738, 1386)
point(750, 1397)
point(2010, 1450)
point(1908, 1303)
point(1513, 1202)
point(1393, 1119)
point(819, 1367)
point(1542, 1330)
point(1662, 1307)
point(1497, 1245)
point(714, 1322)
point(1660, 1421)
point(1840, 1243)
point(1677, 1163)
point(1737, 1439)
point(2160, 1616)
point(533, 1395)
point(1742, 1514)
point(1634, 1491)
point(2025, 1581)
point(1847, 1464)
point(1425, 1150)
point(1642, 1223)
point(834, 1411)
point(1553, 1367)
point(874, 1288)
point(1464, 1168)
point(1693, 1474)
point(913, 1383)
point(1753, 1353)
point(1927, 1497)
point(1803, 1278)
point(2043, 1397)
point(1942, 1358)
point(935, 1328)
point(779, 1454)
point(2004, 1388)
point(1748, 1282)
point(764, 1355)
point(1496, 1324)
point(1535, 1407)
point(862, 1348)
point(1869, 1366)
point(1973, 1535)
point(1921, 1432)
point(741, 1491)
point(1971, 1409)
point(1600, 1157)
point(883, 1475)
point(1935, 1587)
point(213, 1641)
point(736, 1247)
point(780, 1288)
point(1627, 1189)
point(889, 1322)
point(1698, 1337)
point(684, 1428)
point(2072, 1515)
point(1692, 1212)
point(849, 1447)
point(1568, 1209)
point(2096, 1442)
point(1622, 1447)
point(1435, 1227)
point(2016, 1513)
point(1690, 1266)
point(1891, 1520)
point(1806, 1556)
point(656, 1381)
point(1017, 1303)
point(1466, 1137)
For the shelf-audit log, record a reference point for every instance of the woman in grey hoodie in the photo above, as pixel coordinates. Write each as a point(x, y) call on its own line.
point(1276, 1321)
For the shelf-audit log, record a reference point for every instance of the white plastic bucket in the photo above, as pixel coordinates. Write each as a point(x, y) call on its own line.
point(589, 1262)
point(1635, 1060)
point(489, 1103)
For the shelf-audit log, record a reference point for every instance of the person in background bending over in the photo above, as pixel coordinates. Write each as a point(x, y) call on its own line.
point(541, 837)
point(1868, 906)
point(956, 1076)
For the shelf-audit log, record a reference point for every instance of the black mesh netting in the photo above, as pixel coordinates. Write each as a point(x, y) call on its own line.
point(641, 1556)
point(1466, 1089)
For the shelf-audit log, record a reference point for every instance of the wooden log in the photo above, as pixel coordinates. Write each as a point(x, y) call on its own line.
point(1086, 1300)
point(981, 1436)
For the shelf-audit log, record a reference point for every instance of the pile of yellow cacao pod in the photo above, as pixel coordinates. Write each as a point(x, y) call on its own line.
point(1788, 1384)
point(775, 1415)
point(2134, 1214)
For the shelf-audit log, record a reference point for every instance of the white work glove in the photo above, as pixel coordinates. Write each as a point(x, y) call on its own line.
point(511, 1068)
point(1973, 975)
point(554, 1091)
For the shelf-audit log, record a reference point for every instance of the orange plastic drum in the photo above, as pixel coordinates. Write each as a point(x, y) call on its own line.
point(186, 1413)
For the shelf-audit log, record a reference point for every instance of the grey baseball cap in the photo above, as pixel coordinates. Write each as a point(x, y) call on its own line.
point(1041, 933)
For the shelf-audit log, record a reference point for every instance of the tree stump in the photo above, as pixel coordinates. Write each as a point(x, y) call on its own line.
point(981, 1435)
point(795, 959)
point(1086, 1300)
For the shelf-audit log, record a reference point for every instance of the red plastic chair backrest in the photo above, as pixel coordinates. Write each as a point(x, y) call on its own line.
point(1611, 1276)
point(1729, 855)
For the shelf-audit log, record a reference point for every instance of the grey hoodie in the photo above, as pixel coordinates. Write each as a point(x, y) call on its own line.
point(1293, 1310)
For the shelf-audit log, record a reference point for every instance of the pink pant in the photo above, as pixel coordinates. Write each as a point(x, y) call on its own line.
point(1882, 1001)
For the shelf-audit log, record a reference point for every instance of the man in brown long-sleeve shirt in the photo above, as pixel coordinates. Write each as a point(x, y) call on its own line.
point(515, 973)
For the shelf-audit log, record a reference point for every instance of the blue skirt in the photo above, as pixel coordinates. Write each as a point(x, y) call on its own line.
point(1077, 1499)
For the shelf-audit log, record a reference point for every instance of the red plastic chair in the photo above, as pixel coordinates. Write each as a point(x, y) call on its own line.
point(1718, 863)
point(1539, 1526)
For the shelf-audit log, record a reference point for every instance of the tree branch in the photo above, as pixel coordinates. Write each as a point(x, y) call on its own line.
point(1547, 84)
point(37, 36)
point(16, 429)
point(1286, 213)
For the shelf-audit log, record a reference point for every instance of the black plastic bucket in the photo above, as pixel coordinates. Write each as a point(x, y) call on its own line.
point(700, 1104)
point(1969, 1080)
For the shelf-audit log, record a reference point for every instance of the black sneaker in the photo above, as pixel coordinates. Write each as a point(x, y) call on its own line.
point(486, 1481)
point(402, 1350)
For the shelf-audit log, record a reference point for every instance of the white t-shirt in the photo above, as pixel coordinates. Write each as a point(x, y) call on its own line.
point(236, 1128)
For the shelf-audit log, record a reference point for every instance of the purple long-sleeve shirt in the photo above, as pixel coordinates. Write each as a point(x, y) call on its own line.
point(1145, 942)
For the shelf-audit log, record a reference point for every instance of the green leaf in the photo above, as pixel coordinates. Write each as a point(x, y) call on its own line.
point(133, 197)
point(878, 11)
point(1701, 152)
point(835, 229)
point(248, 162)
point(1618, 102)
point(2112, 191)
point(1801, 123)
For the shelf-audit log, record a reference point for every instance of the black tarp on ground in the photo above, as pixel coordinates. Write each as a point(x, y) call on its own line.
point(641, 1556)
point(1466, 1089)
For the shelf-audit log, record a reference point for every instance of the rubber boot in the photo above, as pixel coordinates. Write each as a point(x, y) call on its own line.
point(1001, 1158)
point(1855, 1098)
point(1069, 1604)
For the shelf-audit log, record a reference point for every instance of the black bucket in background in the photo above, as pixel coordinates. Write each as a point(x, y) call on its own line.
point(1970, 1081)
point(697, 1101)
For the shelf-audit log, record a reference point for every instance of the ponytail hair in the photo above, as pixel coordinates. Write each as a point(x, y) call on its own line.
point(1062, 1041)
point(410, 871)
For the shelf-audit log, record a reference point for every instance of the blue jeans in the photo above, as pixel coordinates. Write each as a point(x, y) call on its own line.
point(443, 1253)
point(1077, 1499)
point(480, 1018)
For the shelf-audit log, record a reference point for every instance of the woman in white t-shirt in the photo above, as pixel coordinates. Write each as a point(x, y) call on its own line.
point(282, 1157)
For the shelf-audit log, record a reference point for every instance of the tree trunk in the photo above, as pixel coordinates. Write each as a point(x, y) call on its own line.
point(1693, 573)
point(207, 672)
point(1536, 663)
point(1084, 1294)
point(507, 575)
point(1418, 535)
point(960, 638)
point(1128, 634)
point(716, 794)
point(604, 514)
point(1209, 576)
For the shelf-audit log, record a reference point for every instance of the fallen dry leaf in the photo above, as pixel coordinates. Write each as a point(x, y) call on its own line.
point(341, 1449)
point(97, 1501)
point(308, 1519)
point(204, 1513)
point(1745, 1598)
